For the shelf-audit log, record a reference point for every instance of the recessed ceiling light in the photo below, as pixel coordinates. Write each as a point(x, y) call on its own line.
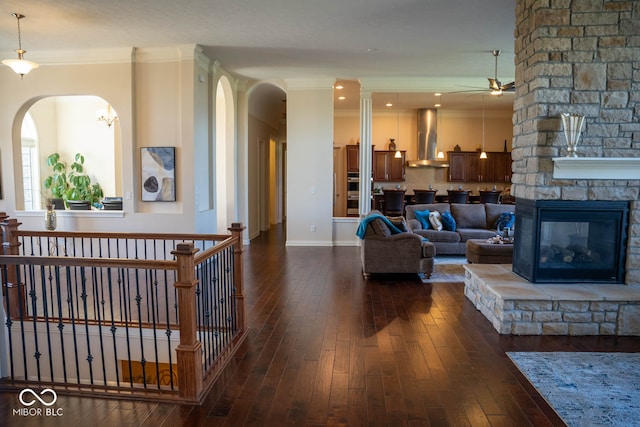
point(388, 104)
point(341, 98)
point(437, 94)
point(339, 87)
point(437, 105)
point(372, 50)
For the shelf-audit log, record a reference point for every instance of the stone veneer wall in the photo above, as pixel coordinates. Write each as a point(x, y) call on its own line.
point(517, 307)
point(578, 56)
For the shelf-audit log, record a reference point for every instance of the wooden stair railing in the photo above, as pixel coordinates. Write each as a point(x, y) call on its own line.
point(194, 378)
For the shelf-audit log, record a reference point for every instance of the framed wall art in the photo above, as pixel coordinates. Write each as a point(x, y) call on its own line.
point(158, 166)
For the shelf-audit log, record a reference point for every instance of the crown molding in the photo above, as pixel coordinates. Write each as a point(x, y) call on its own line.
point(71, 57)
point(119, 55)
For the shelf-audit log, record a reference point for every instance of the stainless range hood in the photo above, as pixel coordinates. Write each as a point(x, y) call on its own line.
point(427, 141)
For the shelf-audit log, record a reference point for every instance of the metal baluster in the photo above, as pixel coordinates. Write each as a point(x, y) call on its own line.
point(9, 321)
point(113, 328)
point(206, 312)
point(73, 320)
point(168, 331)
point(127, 313)
point(45, 314)
point(60, 322)
point(143, 360)
point(97, 277)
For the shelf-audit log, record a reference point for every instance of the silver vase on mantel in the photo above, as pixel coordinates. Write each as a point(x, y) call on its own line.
point(572, 129)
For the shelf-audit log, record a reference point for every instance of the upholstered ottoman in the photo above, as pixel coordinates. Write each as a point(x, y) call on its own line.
point(480, 251)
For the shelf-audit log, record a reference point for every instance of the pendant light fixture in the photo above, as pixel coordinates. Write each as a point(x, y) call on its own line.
point(398, 154)
point(439, 118)
point(20, 66)
point(483, 154)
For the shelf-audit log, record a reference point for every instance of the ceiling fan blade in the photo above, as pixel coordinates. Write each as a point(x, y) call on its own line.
point(469, 90)
point(509, 86)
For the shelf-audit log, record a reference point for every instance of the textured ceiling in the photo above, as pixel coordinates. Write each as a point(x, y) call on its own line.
point(448, 42)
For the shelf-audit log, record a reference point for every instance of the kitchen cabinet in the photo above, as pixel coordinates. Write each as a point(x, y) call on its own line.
point(496, 168)
point(387, 167)
point(466, 166)
point(353, 158)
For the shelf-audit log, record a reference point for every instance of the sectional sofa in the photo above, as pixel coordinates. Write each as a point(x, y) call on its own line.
point(472, 221)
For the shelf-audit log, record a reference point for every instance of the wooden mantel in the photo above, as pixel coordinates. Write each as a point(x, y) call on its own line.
point(596, 167)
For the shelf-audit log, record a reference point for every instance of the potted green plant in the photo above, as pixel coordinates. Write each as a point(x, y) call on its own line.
point(72, 184)
point(56, 184)
point(81, 187)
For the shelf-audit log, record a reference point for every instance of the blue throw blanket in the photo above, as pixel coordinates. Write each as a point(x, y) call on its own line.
point(362, 228)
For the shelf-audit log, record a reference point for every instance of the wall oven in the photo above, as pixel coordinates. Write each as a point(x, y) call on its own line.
point(353, 193)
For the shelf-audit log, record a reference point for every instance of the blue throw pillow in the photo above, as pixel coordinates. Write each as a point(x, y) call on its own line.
point(423, 217)
point(448, 222)
point(505, 220)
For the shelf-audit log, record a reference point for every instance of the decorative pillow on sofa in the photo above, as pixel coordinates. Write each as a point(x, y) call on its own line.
point(434, 219)
point(423, 217)
point(505, 220)
point(399, 222)
point(380, 228)
point(448, 222)
point(470, 215)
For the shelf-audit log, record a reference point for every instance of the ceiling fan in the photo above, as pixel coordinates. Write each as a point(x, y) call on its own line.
point(495, 86)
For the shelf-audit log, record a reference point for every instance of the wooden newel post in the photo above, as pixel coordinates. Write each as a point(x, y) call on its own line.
point(10, 286)
point(236, 229)
point(189, 351)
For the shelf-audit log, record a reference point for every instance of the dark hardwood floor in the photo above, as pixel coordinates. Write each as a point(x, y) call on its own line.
point(327, 347)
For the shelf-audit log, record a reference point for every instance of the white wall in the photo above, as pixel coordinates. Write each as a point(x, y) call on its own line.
point(309, 163)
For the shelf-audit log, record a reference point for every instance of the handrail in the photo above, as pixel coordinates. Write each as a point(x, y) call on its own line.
point(122, 235)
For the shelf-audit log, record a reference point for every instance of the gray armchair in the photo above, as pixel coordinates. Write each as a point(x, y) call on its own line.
point(384, 252)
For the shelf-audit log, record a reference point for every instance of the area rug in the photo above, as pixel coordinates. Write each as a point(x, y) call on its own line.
point(586, 389)
point(450, 259)
point(445, 273)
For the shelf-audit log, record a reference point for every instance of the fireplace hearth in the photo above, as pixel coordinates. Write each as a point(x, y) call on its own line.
point(561, 241)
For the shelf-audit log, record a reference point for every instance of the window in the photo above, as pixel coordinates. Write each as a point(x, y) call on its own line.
point(30, 169)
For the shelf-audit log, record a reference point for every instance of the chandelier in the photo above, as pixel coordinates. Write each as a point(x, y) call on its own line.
point(20, 66)
point(108, 116)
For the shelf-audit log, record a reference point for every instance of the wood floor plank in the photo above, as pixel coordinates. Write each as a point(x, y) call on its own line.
point(337, 413)
point(327, 347)
point(319, 405)
point(357, 407)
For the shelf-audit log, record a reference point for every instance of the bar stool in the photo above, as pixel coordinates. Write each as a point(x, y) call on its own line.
point(458, 196)
point(489, 196)
point(393, 202)
point(424, 196)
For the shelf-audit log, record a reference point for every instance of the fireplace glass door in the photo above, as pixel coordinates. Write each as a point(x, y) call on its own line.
point(570, 241)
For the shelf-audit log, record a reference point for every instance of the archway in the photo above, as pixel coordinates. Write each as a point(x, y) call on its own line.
point(67, 125)
point(225, 178)
point(267, 157)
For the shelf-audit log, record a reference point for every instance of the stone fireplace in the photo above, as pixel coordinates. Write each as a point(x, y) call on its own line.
point(579, 58)
point(568, 241)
